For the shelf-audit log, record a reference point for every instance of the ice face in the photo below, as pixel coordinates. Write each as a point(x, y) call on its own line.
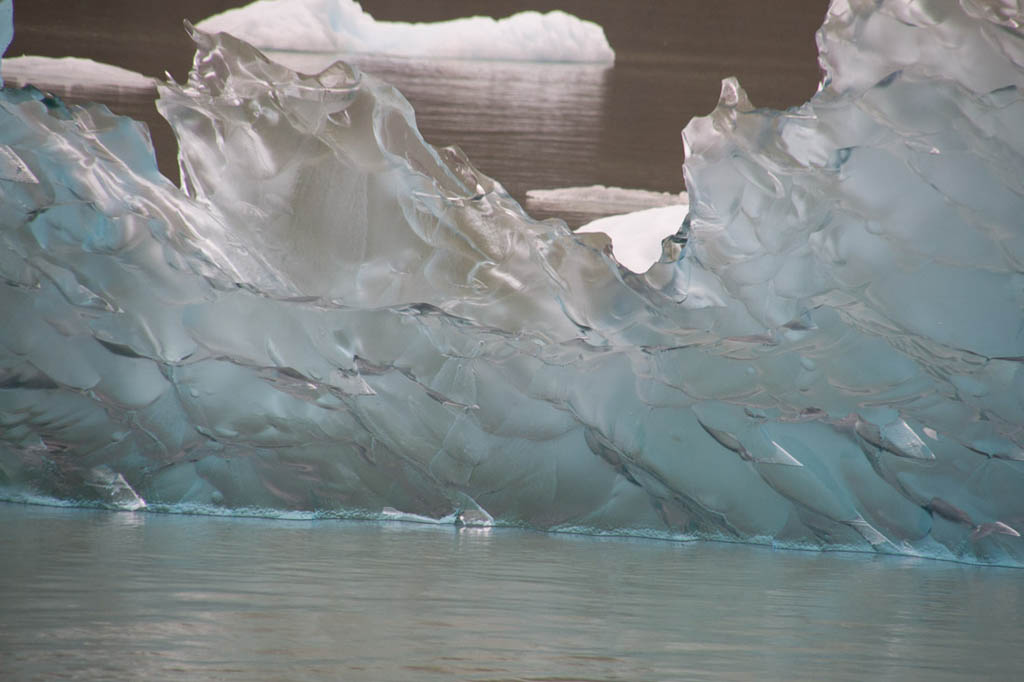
point(343, 26)
point(333, 317)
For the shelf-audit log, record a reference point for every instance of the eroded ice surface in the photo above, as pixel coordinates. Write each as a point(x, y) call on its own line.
point(343, 26)
point(334, 317)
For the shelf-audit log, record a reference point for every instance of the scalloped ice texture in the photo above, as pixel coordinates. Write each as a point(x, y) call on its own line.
point(333, 317)
point(343, 26)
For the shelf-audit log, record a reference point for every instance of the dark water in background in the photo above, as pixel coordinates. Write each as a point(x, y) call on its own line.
point(119, 595)
point(529, 126)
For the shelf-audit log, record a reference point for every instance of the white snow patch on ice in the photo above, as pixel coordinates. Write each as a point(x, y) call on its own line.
point(343, 26)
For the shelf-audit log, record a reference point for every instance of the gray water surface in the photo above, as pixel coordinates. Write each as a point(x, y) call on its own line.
point(122, 595)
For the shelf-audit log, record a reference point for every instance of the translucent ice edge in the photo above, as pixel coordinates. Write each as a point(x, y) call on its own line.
point(601, 199)
point(343, 26)
point(331, 316)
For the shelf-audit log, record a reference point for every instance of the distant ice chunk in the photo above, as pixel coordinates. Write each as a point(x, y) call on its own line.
point(600, 199)
point(580, 206)
point(343, 26)
point(636, 220)
point(636, 237)
point(70, 72)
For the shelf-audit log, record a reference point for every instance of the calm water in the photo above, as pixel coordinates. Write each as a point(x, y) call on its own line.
point(119, 595)
point(101, 595)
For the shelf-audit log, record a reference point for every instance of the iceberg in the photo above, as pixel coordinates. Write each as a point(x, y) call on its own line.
point(332, 317)
point(342, 26)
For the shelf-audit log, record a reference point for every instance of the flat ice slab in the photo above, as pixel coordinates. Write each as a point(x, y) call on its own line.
point(343, 26)
point(68, 72)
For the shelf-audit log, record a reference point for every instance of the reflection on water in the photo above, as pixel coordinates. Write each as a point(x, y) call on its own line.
point(147, 596)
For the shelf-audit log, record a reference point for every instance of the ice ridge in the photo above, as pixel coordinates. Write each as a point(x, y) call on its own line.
point(332, 316)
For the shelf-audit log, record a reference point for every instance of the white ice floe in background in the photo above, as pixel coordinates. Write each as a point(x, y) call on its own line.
point(72, 71)
point(636, 237)
point(636, 220)
point(343, 26)
point(600, 199)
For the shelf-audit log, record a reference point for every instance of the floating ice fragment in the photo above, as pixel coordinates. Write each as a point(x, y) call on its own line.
point(600, 199)
point(72, 72)
point(343, 26)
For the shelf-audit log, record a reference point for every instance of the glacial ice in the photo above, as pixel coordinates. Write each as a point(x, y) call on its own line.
point(333, 317)
point(342, 26)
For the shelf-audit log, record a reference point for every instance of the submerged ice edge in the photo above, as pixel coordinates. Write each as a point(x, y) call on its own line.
point(476, 525)
point(342, 26)
point(333, 315)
